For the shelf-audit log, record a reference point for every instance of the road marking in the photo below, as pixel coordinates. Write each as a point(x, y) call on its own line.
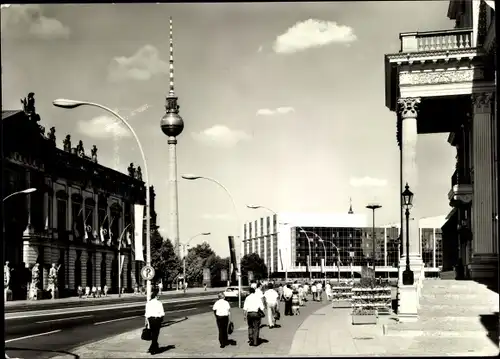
point(180, 310)
point(32, 336)
point(133, 311)
point(61, 319)
point(116, 320)
point(97, 308)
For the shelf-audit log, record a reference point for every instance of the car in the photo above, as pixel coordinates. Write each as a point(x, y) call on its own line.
point(232, 293)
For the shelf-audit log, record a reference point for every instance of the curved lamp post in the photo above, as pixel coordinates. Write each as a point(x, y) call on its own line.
point(24, 191)
point(408, 277)
point(322, 241)
point(184, 246)
point(70, 104)
point(192, 177)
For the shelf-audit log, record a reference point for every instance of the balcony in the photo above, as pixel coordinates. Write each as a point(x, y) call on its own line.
point(445, 40)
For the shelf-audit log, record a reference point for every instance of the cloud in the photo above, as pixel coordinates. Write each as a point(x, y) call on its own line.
point(367, 182)
point(312, 33)
point(141, 66)
point(28, 20)
point(221, 136)
point(219, 217)
point(276, 111)
point(103, 127)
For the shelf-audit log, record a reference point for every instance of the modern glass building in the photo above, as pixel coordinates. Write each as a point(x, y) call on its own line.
point(297, 242)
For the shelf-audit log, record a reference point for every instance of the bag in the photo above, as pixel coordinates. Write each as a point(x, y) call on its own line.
point(146, 334)
point(277, 315)
point(261, 313)
point(230, 328)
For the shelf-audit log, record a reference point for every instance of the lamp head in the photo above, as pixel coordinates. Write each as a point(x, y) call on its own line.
point(252, 206)
point(190, 177)
point(206, 233)
point(407, 197)
point(65, 103)
point(29, 190)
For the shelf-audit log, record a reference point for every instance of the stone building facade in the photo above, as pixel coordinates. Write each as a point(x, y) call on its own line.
point(76, 216)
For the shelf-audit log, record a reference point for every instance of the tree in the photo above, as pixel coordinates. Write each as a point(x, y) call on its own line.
point(163, 259)
point(252, 262)
point(196, 261)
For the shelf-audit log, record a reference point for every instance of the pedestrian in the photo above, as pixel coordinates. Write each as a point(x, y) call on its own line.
point(272, 304)
point(319, 289)
point(205, 287)
point(80, 291)
point(87, 291)
point(287, 296)
point(259, 293)
point(306, 291)
point(301, 295)
point(222, 311)
point(280, 292)
point(295, 302)
point(105, 290)
point(185, 286)
point(252, 312)
point(314, 291)
point(94, 291)
point(328, 291)
point(154, 317)
point(160, 288)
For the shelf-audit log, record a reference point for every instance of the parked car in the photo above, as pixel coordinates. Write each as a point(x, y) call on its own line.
point(232, 293)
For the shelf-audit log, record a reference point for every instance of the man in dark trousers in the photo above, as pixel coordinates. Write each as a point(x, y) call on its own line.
point(253, 304)
point(222, 311)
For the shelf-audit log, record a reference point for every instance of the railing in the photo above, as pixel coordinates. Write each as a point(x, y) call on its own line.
point(436, 40)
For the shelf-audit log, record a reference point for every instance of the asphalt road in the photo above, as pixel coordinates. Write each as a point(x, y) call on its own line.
point(44, 334)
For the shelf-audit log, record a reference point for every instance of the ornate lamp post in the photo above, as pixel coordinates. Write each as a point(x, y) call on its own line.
point(373, 207)
point(172, 125)
point(408, 276)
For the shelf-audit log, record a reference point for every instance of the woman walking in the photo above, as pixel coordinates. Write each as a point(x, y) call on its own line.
point(154, 317)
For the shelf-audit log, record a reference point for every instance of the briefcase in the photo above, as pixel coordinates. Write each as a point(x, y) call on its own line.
point(146, 334)
point(230, 328)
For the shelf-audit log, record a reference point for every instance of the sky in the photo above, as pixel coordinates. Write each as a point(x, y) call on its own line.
point(284, 104)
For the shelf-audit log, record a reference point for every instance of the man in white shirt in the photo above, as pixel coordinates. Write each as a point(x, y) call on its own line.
point(222, 310)
point(251, 307)
point(328, 291)
point(313, 290)
point(154, 317)
point(306, 291)
point(287, 296)
point(319, 289)
point(271, 297)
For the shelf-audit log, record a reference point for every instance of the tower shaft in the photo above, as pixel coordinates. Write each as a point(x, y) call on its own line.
point(173, 217)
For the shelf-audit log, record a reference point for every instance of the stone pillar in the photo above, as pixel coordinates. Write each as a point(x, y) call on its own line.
point(83, 261)
point(409, 295)
point(71, 268)
point(484, 259)
point(97, 266)
point(69, 221)
point(434, 247)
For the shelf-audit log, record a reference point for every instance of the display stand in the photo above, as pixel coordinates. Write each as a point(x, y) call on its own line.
point(341, 294)
point(368, 299)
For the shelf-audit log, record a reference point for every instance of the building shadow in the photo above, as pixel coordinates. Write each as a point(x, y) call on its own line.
point(172, 322)
point(60, 352)
point(164, 349)
point(490, 323)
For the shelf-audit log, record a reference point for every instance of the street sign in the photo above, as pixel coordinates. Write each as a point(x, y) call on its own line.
point(147, 272)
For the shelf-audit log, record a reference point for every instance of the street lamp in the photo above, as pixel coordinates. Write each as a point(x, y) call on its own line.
point(408, 277)
point(70, 104)
point(192, 177)
point(373, 207)
point(25, 191)
point(184, 252)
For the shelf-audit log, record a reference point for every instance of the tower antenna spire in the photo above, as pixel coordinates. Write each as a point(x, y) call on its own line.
point(171, 92)
point(350, 206)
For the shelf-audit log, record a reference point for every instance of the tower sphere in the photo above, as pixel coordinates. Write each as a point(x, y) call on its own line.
point(172, 124)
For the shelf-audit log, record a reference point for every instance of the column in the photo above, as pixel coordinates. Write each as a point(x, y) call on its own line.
point(95, 224)
point(83, 261)
point(27, 231)
point(385, 247)
point(483, 257)
point(434, 247)
point(46, 209)
point(71, 268)
point(409, 112)
point(173, 216)
point(97, 266)
point(69, 220)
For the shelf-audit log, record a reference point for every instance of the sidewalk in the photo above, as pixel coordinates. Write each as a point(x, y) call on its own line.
point(196, 336)
point(334, 335)
point(109, 298)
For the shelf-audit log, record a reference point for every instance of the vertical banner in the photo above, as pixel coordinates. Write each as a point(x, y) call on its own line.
point(122, 259)
point(223, 275)
point(250, 276)
point(322, 265)
point(138, 222)
point(206, 274)
point(232, 252)
point(281, 259)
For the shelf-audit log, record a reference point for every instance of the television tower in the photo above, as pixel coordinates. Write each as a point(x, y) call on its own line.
point(172, 125)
